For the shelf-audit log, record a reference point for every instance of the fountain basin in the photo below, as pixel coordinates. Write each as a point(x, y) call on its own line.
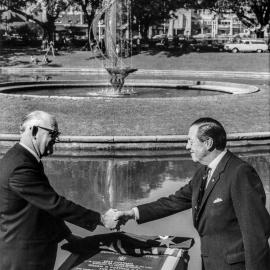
point(133, 88)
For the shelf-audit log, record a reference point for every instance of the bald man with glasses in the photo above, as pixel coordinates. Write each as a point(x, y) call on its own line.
point(32, 214)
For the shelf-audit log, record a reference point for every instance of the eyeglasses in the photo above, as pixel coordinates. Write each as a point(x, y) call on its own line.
point(54, 133)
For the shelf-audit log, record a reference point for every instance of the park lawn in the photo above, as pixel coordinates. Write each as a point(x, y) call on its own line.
point(165, 60)
point(166, 116)
point(122, 117)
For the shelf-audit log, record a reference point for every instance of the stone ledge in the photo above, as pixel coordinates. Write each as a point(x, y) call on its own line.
point(138, 139)
point(227, 87)
point(134, 146)
point(199, 73)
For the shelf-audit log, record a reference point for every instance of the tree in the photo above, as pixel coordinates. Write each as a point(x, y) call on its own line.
point(152, 12)
point(42, 12)
point(88, 8)
point(28, 31)
point(255, 14)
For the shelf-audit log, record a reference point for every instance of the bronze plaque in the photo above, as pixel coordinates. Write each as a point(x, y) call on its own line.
point(112, 261)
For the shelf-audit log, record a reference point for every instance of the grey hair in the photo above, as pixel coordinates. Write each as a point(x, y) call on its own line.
point(34, 118)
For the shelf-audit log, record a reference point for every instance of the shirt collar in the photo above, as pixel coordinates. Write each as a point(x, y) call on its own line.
point(31, 151)
point(214, 163)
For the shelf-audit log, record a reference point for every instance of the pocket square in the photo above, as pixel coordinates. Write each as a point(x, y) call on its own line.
point(217, 200)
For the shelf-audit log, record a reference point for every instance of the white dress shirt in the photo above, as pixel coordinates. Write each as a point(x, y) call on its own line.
point(213, 165)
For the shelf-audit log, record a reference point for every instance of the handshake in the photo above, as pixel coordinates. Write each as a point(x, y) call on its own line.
point(114, 219)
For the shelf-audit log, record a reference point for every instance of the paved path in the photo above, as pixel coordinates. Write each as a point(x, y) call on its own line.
point(142, 72)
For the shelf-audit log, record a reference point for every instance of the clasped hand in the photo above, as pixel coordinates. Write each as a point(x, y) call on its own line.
point(113, 219)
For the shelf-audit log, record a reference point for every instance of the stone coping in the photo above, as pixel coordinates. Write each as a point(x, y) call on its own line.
point(227, 87)
point(141, 139)
point(135, 147)
point(94, 71)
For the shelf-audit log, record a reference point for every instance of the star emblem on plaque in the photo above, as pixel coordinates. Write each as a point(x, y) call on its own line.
point(166, 241)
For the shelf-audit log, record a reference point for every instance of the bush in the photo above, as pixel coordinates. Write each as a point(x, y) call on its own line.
point(29, 32)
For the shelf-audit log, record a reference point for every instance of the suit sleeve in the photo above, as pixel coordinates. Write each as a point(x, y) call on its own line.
point(34, 187)
point(248, 198)
point(166, 206)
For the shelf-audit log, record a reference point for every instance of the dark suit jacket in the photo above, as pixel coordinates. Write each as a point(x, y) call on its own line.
point(32, 214)
point(232, 222)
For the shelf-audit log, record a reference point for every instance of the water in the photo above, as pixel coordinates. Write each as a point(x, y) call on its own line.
point(123, 183)
point(127, 92)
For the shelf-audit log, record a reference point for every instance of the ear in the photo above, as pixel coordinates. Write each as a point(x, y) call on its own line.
point(210, 144)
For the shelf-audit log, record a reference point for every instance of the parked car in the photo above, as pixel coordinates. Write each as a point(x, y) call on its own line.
point(207, 45)
point(159, 37)
point(160, 40)
point(247, 45)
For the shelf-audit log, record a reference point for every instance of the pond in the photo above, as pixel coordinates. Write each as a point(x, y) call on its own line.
point(132, 92)
point(101, 183)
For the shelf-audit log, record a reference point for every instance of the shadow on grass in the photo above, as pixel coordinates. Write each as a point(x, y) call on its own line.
point(11, 61)
point(54, 65)
point(169, 52)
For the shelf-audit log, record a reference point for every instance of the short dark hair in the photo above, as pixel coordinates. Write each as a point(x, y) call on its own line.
point(211, 128)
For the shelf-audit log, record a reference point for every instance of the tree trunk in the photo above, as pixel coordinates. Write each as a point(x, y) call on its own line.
point(260, 33)
point(49, 28)
point(144, 31)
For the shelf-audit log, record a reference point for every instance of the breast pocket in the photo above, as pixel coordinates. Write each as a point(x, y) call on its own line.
point(218, 207)
point(235, 258)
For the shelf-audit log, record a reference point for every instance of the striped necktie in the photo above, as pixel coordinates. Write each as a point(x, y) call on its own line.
point(202, 189)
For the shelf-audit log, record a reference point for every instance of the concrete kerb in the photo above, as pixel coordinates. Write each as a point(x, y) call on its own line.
point(138, 145)
point(95, 71)
point(227, 87)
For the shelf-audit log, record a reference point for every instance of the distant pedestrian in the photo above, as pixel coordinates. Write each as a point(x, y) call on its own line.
point(44, 45)
point(46, 60)
point(34, 60)
point(50, 47)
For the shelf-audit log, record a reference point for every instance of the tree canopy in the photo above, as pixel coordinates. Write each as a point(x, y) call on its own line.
point(151, 12)
point(42, 12)
point(255, 14)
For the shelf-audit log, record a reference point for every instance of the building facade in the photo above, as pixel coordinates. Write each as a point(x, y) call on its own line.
point(187, 22)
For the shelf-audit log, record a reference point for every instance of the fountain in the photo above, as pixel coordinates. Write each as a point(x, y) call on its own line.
point(115, 47)
point(117, 40)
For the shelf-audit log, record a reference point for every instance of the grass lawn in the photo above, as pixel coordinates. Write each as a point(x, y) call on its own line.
point(166, 116)
point(149, 60)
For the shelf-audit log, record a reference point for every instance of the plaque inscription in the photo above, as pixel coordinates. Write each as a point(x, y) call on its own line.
point(111, 261)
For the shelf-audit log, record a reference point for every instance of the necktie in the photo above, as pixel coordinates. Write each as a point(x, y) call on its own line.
point(201, 190)
point(41, 166)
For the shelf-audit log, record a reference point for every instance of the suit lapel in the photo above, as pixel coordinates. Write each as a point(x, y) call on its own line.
point(215, 178)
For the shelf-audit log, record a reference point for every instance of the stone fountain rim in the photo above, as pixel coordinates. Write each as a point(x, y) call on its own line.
point(220, 86)
point(238, 136)
point(139, 146)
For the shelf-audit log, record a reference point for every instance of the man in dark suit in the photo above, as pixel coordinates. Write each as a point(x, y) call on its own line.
point(32, 214)
point(228, 204)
